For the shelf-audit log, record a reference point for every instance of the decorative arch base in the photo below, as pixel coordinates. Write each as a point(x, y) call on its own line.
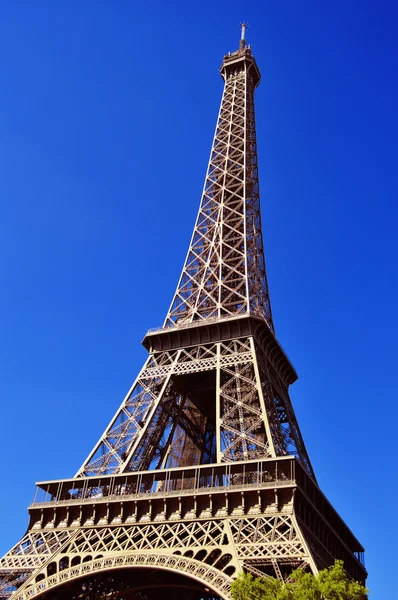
point(209, 577)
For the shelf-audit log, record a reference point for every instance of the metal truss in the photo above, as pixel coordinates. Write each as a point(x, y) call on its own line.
point(224, 272)
point(265, 516)
point(164, 562)
point(208, 539)
point(243, 410)
point(205, 522)
point(202, 404)
point(203, 471)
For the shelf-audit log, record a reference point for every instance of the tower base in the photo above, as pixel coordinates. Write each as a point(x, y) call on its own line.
point(204, 524)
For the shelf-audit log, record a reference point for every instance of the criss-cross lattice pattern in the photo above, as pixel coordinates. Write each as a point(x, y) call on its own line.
point(35, 548)
point(224, 272)
point(208, 544)
point(205, 574)
point(202, 404)
point(239, 414)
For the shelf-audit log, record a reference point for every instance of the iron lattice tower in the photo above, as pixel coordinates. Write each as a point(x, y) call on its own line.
point(203, 471)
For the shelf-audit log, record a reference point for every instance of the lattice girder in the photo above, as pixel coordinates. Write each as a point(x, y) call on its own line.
point(206, 575)
point(201, 404)
point(224, 272)
point(209, 549)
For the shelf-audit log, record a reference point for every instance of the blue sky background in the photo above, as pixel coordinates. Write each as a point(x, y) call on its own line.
point(107, 112)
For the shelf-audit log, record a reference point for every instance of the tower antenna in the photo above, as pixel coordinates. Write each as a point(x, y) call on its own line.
point(243, 26)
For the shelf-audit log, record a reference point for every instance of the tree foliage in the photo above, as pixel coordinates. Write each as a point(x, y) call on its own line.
point(330, 584)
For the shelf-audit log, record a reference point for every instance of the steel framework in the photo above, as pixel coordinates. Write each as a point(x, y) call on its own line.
point(203, 470)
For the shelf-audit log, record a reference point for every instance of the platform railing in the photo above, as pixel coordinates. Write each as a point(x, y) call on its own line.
point(165, 482)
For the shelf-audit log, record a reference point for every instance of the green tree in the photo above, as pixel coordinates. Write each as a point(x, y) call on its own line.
point(246, 587)
point(334, 584)
point(330, 584)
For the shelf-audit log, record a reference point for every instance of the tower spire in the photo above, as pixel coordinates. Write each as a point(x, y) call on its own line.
point(243, 27)
point(224, 273)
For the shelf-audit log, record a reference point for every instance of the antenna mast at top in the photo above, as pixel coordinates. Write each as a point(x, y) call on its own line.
point(243, 35)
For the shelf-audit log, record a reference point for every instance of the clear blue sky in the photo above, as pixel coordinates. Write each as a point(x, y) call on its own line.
point(107, 111)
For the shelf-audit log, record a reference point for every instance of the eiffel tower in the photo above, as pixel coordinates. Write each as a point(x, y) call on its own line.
point(203, 471)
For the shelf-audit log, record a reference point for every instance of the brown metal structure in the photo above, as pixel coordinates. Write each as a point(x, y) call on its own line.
point(203, 471)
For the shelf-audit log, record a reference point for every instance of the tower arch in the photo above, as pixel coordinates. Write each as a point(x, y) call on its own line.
point(209, 578)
